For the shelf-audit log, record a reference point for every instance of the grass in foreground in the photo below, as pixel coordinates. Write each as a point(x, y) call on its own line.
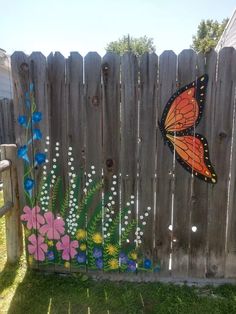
point(23, 291)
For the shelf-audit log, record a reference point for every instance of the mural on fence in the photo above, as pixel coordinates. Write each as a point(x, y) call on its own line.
point(57, 227)
point(181, 115)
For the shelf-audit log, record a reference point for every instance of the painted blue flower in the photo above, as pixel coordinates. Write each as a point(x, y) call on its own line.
point(31, 87)
point(123, 258)
point(81, 258)
point(131, 265)
point(22, 153)
point(99, 263)
point(28, 184)
point(27, 100)
point(37, 116)
point(40, 158)
point(22, 120)
point(37, 135)
point(157, 269)
point(50, 255)
point(97, 253)
point(147, 263)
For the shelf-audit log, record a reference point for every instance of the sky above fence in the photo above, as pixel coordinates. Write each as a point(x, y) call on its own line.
point(89, 25)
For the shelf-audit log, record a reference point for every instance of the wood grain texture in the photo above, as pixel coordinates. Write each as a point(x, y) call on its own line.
point(129, 132)
point(222, 136)
point(93, 105)
point(187, 61)
point(14, 239)
point(199, 197)
point(111, 132)
point(164, 189)
point(76, 121)
point(147, 149)
point(7, 132)
point(20, 66)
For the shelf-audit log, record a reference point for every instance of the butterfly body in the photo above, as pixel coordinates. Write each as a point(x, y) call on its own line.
point(180, 117)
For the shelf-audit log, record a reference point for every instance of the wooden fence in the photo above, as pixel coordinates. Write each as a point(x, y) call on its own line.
point(7, 134)
point(107, 110)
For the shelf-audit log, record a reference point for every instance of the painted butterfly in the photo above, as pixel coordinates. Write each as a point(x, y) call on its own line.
point(181, 115)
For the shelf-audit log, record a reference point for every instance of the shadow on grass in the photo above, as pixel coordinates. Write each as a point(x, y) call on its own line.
point(8, 275)
point(52, 293)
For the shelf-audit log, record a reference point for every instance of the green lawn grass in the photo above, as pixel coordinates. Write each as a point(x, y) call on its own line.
point(30, 292)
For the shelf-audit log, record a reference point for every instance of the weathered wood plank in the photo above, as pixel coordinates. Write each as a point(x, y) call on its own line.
point(22, 107)
point(7, 132)
point(111, 139)
point(187, 60)
point(199, 198)
point(93, 149)
point(221, 152)
point(129, 135)
point(147, 151)
point(164, 190)
point(76, 122)
point(11, 195)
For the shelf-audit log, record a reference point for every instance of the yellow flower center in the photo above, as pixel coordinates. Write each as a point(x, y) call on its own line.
point(113, 263)
point(133, 255)
point(67, 265)
point(111, 249)
point(83, 247)
point(97, 238)
point(50, 243)
point(81, 234)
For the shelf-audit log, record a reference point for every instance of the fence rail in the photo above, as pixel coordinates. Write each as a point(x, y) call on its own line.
point(107, 109)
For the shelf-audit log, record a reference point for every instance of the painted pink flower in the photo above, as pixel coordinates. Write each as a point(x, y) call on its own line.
point(32, 216)
point(37, 247)
point(68, 247)
point(54, 228)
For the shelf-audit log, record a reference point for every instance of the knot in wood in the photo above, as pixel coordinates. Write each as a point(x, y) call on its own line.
point(109, 164)
point(222, 135)
point(24, 67)
point(95, 101)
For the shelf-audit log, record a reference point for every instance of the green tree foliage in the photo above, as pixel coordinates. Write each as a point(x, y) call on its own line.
point(208, 35)
point(131, 44)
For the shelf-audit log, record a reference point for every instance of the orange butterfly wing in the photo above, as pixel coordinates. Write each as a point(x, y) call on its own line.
point(184, 109)
point(181, 115)
point(193, 155)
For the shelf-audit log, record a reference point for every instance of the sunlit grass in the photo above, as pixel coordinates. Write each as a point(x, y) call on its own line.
point(32, 292)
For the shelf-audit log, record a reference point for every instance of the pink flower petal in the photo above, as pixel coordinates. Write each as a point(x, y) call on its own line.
point(65, 255)
point(31, 249)
point(59, 246)
point(49, 218)
point(74, 244)
point(43, 229)
point(33, 239)
point(66, 241)
point(72, 252)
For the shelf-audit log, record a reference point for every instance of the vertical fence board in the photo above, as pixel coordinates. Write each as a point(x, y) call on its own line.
point(7, 133)
point(167, 86)
point(76, 123)
point(58, 129)
point(230, 267)
point(111, 140)
point(222, 137)
point(38, 77)
point(147, 149)
point(183, 183)
point(21, 80)
point(129, 133)
point(93, 104)
point(199, 203)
